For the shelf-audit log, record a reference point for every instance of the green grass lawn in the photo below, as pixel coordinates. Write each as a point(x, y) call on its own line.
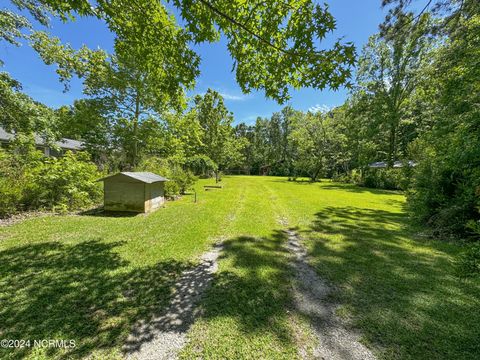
point(90, 278)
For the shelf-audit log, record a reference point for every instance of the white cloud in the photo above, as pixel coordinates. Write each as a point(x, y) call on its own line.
point(232, 97)
point(323, 108)
point(229, 96)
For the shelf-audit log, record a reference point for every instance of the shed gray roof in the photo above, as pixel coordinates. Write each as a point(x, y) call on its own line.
point(67, 144)
point(145, 177)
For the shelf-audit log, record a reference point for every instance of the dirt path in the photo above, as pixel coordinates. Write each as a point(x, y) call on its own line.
point(165, 335)
point(335, 341)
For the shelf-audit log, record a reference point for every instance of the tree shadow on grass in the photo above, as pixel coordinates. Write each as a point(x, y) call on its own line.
point(402, 292)
point(101, 212)
point(358, 189)
point(84, 292)
point(253, 292)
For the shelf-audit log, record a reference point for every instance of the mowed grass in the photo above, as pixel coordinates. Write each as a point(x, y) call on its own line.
point(90, 278)
point(399, 289)
point(246, 310)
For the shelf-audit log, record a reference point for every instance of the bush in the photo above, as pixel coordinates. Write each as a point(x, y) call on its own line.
point(66, 183)
point(468, 262)
point(183, 178)
point(388, 179)
point(171, 189)
point(31, 181)
point(180, 180)
point(13, 179)
point(445, 195)
point(10, 197)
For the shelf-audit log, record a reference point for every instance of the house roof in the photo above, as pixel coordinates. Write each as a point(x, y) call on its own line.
point(396, 164)
point(145, 177)
point(68, 144)
point(378, 164)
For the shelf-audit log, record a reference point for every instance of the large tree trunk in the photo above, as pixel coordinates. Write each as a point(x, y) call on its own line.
point(392, 141)
point(135, 133)
point(315, 175)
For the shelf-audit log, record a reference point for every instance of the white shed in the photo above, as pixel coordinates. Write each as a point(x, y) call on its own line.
point(133, 191)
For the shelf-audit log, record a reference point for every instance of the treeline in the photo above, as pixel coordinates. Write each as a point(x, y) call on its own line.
point(415, 99)
point(199, 141)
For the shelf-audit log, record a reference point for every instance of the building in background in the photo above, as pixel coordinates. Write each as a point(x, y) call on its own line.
point(57, 150)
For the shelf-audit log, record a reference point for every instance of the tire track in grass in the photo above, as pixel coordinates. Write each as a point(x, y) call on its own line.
point(321, 334)
point(310, 292)
point(246, 313)
point(166, 334)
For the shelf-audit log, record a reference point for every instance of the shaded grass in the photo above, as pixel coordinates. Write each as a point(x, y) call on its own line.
point(245, 311)
point(400, 291)
point(90, 278)
point(80, 292)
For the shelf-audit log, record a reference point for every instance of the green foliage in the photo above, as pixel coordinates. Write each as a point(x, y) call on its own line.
point(388, 178)
point(68, 182)
point(445, 190)
point(468, 262)
point(11, 188)
point(273, 55)
point(180, 180)
point(390, 69)
point(319, 145)
point(217, 137)
point(32, 181)
point(21, 114)
point(272, 43)
point(10, 198)
point(201, 165)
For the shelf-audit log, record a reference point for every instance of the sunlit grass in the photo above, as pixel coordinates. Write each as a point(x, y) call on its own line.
point(89, 278)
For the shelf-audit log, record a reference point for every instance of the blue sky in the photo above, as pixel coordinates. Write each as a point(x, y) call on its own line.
point(356, 21)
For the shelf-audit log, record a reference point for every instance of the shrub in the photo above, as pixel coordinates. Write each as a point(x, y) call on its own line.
point(445, 195)
point(382, 178)
point(171, 189)
point(31, 181)
point(180, 179)
point(385, 178)
point(183, 178)
point(66, 183)
point(13, 174)
point(10, 197)
point(468, 262)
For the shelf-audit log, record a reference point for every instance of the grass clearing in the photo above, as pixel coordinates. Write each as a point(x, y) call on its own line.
point(89, 278)
point(399, 290)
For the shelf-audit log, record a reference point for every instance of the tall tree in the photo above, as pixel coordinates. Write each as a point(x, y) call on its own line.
point(217, 140)
point(20, 114)
point(389, 71)
point(274, 44)
point(446, 189)
point(318, 144)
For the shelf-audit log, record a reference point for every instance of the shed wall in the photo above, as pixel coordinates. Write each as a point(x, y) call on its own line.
point(154, 196)
point(124, 195)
